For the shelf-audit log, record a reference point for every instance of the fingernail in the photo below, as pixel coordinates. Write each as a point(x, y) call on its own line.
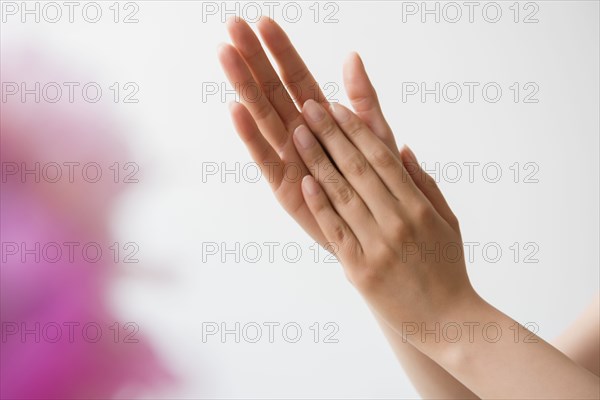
point(340, 113)
point(310, 185)
point(313, 110)
point(304, 137)
point(411, 155)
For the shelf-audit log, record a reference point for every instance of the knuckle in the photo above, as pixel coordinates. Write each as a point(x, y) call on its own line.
point(341, 234)
point(344, 194)
point(383, 158)
point(319, 161)
point(364, 103)
point(357, 164)
point(321, 206)
point(262, 109)
point(401, 230)
point(262, 156)
point(270, 89)
point(328, 129)
point(343, 246)
point(298, 75)
point(368, 279)
point(383, 255)
point(425, 214)
point(453, 222)
point(353, 128)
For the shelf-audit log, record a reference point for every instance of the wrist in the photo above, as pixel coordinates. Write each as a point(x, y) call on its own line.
point(452, 320)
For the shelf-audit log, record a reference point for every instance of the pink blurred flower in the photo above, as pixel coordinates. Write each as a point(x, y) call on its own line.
point(54, 293)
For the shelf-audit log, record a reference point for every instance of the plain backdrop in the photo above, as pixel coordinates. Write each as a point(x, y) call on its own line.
point(179, 128)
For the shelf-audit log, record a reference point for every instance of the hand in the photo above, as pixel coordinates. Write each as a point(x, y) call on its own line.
point(395, 235)
point(265, 120)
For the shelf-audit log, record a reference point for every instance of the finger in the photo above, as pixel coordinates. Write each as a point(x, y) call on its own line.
point(249, 46)
point(387, 166)
point(428, 186)
point(274, 169)
point(250, 93)
point(363, 97)
point(350, 162)
point(260, 150)
point(300, 82)
point(342, 195)
point(335, 229)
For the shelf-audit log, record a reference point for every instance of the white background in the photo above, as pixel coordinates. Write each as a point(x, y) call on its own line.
point(171, 52)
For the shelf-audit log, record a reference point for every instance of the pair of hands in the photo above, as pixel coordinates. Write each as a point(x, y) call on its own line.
point(386, 219)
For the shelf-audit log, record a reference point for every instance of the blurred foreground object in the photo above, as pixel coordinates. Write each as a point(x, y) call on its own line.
point(59, 339)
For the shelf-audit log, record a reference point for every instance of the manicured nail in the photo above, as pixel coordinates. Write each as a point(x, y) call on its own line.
point(304, 137)
point(340, 113)
point(309, 185)
point(313, 110)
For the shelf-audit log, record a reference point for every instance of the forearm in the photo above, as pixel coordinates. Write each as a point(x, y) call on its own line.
point(581, 342)
point(496, 357)
point(430, 380)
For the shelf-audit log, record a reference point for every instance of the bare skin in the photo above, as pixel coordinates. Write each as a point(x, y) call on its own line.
point(376, 209)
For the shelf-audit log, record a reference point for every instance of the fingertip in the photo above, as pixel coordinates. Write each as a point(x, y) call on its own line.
point(408, 155)
point(359, 59)
point(231, 20)
point(269, 29)
point(230, 58)
point(353, 66)
point(222, 53)
point(223, 49)
point(303, 138)
point(310, 186)
point(264, 20)
point(411, 165)
point(353, 57)
point(340, 113)
point(307, 103)
point(313, 111)
point(232, 105)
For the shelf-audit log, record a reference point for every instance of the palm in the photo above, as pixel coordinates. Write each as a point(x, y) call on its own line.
point(266, 122)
